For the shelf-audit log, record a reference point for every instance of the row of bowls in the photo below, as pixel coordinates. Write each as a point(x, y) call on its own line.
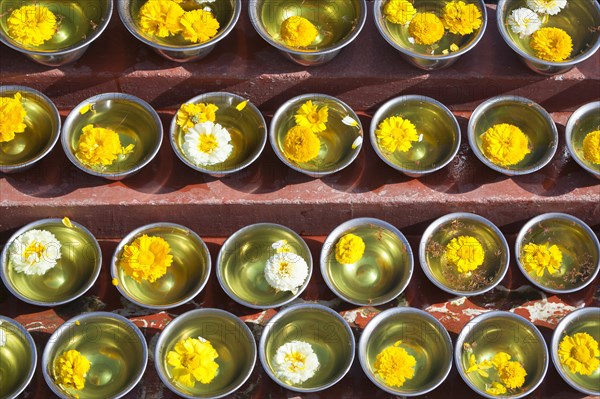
point(124, 112)
point(118, 351)
point(345, 23)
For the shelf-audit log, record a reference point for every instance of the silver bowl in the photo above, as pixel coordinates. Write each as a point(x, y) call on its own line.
point(583, 121)
point(18, 358)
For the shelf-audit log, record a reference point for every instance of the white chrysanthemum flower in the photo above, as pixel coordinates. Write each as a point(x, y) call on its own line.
point(34, 252)
point(2, 336)
point(207, 143)
point(286, 271)
point(524, 21)
point(550, 7)
point(296, 362)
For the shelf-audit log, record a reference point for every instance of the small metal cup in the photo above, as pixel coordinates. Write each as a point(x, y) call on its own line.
point(230, 337)
point(384, 270)
point(115, 347)
point(18, 358)
point(247, 128)
point(75, 272)
point(439, 129)
point(580, 20)
point(585, 320)
point(227, 12)
point(339, 22)
point(583, 121)
point(530, 117)
point(61, 49)
point(498, 331)
point(428, 340)
point(340, 143)
point(40, 135)
point(579, 246)
point(326, 331)
point(128, 115)
point(185, 278)
point(242, 259)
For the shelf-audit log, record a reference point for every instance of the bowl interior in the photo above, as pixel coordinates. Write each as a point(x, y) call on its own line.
point(16, 359)
point(227, 334)
point(186, 276)
point(584, 123)
point(242, 262)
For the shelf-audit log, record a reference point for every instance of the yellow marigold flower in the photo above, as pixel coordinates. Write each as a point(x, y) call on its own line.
point(301, 144)
point(591, 147)
point(537, 258)
point(189, 115)
point(496, 389)
point(500, 358)
point(579, 353)
point(193, 360)
point(297, 31)
point(70, 369)
point(512, 374)
point(505, 144)
point(399, 11)
point(461, 18)
point(12, 117)
point(551, 44)
point(466, 253)
point(147, 258)
point(309, 115)
point(395, 365)
point(349, 249)
point(426, 28)
point(32, 25)
point(199, 26)
point(161, 18)
point(396, 133)
point(100, 146)
point(479, 367)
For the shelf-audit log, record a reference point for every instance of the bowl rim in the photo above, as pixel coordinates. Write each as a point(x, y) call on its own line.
point(521, 101)
point(553, 216)
point(398, 102)
point(127, 20)
point(173, 128)
point(179, 319)
point(34, 355)
point(145, 228)
point(458, 349)
point(41, 223)
point(336, 233)
point(374, 323)
point(75, 113)
point(473, 217)
point(298, 99)
point(63, 328)
point(575, 116)
point(299, 307)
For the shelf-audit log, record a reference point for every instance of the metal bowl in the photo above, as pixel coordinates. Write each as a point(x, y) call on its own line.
point(18, 358)
point(74, 274)
point(583, 121)
point(134, 119)
point(40, 135)
point(339, 22)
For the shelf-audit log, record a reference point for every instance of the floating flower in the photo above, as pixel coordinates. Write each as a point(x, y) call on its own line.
point(550, 7)
point(524, 21)
point(349, 249)
point(537, 258)
point(70, 369)
point(191, 114)
point(147, 258)
point(296, 362)
point(301, 144)
point(199, 26)
point(207, 143)
point(480, 368)
point(551, 44)
point(496, 389)
point(591, 147)
point(461, 18)
point(396, 134)
point(505, 144)
point(12, 117)
point(512, 374)
point(161, 18)
point(466, 253)
point(100, 146)
point(426, 28)
point(579, 353)
point(32, 25)
point(35, 252)
point(309, 115)
point(399, 11)
point(193, 360)
point(2, 336)
point(286, 271)
point(297, 31)
point(395, 365)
